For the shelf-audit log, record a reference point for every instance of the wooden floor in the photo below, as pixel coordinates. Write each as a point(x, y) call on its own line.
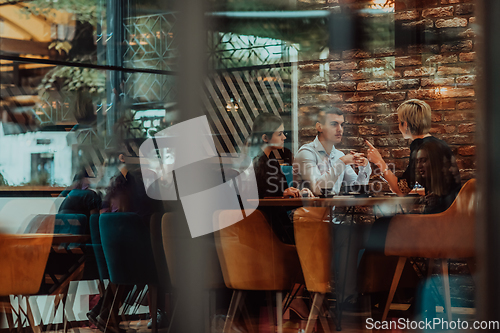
point(351, 323)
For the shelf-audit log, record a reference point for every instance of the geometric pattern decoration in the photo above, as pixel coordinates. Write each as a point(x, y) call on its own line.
point(55, 107)
point(231, 50)
point(233, 98)
point(149, 44)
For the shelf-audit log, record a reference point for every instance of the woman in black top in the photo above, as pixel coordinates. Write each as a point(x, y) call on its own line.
point(414, 117)
point(414, 123)
point(267, 136)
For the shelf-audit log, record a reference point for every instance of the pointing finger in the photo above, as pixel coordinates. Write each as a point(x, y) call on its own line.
point(369, 144)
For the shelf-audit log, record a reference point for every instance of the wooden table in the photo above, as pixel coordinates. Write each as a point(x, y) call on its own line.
point(388, 204)
point(337, 201)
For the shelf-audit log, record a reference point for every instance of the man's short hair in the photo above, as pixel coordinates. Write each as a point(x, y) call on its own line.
point(321, 117)
point(417, 114)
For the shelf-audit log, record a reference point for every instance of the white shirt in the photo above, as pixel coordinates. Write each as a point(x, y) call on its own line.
point(315, 169)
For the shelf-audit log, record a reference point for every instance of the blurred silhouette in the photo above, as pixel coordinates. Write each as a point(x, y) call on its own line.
point(126, 193)
point(80, 199)
point(437, 171)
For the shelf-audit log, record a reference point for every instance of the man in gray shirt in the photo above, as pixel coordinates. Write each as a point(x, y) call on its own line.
point(319, 165)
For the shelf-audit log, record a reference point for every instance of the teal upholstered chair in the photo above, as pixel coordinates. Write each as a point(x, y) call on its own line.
point(126, 243)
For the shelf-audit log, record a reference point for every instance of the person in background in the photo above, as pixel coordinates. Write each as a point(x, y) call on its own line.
point(437, 172)
point(127, 193)
point(80, 199)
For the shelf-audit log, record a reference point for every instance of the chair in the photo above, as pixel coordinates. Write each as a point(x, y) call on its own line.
point(253, 258)
point(95, 235)
point(175, 232)
point(314, 247)
point(66, 262)
point(126, 243)
point(447, 235)
point(23, 258)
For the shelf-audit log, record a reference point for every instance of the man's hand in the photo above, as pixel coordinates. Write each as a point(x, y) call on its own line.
point(292, 192)
point(354, 158)
point(360, 159)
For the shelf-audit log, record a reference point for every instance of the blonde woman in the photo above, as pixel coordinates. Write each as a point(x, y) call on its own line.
point(414, 117)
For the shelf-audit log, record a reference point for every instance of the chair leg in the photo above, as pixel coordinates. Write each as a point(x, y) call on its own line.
point(279, 311)
point(446, 288)
point(323, 315)
point(7, 309)
point(270, 312)
point(233, 306)
point(394, 286)
point(114, 308)
point(315, 309)
point(31, 320)
point(248, 320)
point(153, 289)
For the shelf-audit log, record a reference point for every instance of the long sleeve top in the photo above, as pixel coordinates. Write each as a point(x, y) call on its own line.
point(316, 170)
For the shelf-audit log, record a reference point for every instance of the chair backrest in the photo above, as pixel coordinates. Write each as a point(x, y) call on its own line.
point(251, 256)
point(126, 243)
point(22, 260)
point(450, 234)
point(176, 236)
point(314, 246)
point(95, 235)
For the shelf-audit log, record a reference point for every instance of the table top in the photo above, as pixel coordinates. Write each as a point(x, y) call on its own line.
point(56, 238)
point(338, 201)
point(70, 238)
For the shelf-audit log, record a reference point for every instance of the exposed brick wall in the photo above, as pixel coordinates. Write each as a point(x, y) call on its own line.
point(369, 85)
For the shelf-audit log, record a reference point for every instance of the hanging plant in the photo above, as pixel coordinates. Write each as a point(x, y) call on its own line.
point(73, 79)
point(84, 10)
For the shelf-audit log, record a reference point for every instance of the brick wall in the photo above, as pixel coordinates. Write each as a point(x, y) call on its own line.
point(368, 85)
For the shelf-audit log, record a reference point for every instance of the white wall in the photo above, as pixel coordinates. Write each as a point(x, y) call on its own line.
point(16, 150)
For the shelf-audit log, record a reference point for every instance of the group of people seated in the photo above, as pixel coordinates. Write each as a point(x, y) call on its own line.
point(319, 167)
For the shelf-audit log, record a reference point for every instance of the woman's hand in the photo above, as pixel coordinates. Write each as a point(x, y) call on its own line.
point(292, 192)
point(374, 155)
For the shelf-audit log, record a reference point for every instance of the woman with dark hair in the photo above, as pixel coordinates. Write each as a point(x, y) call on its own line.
point(437, 171)
point(264, 143)
point(266, 137)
